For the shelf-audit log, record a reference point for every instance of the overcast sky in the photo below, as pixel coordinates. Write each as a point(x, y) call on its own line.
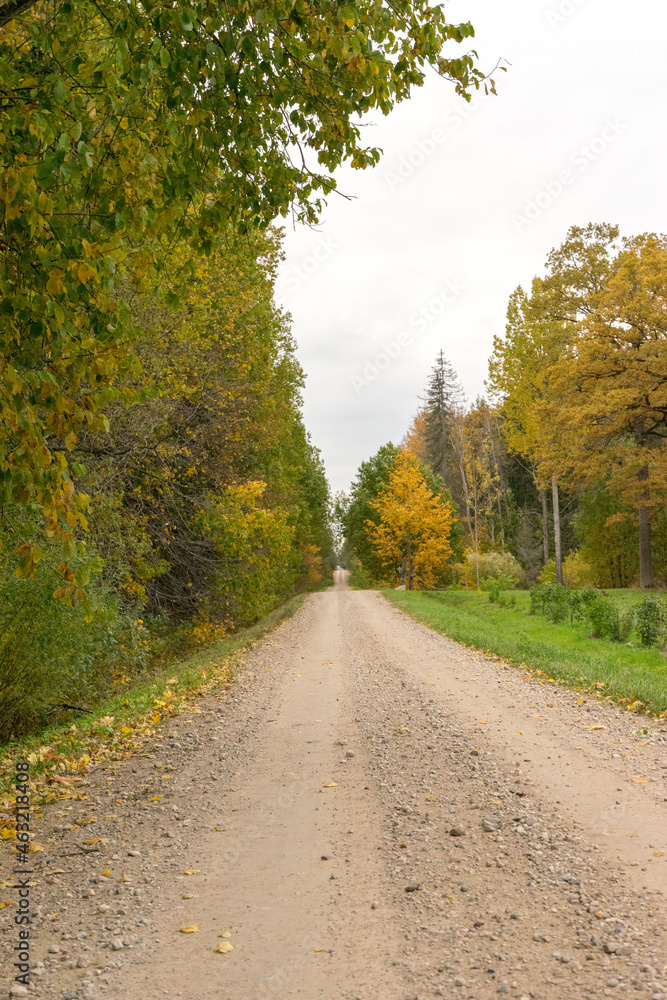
point(465, 205)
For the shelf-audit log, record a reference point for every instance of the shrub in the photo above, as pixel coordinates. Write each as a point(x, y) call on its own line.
point(496, 585)
point(552, 600)
point(607, 622)
point(576, 572)
point(492, 565)
point(51, 653)
point(649, 615)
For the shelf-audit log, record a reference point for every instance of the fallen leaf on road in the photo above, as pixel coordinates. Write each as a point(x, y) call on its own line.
point(5, 902)
point(482, 722)
point(55, 871)
point(192, 871)
point(317, 950)
point(189, 929)
point(188, 895)
point(106, 872)
point(658, 854)
point(539, 716)
point(330, 784)
point(225, 934)
point(223, 947)
point(431, 798)
point(402, 729)
point(126, 878)
point(93, 840)
point(596, 727)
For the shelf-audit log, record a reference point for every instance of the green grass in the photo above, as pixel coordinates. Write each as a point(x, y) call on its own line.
point(629, 674)
point(200, 672)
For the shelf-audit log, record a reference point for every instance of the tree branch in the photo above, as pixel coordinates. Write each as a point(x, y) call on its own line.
point(12, 9)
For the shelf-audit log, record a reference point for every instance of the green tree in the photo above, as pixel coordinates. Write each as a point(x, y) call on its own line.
point(126, 129)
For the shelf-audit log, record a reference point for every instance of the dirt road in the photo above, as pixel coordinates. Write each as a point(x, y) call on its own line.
point(373, 811)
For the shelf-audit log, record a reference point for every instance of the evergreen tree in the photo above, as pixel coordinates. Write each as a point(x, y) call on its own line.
point(444, 398)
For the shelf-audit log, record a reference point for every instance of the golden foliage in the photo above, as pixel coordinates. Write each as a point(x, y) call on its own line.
point(414, 526)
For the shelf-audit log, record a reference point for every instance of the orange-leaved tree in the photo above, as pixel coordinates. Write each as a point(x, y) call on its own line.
point(414, 527)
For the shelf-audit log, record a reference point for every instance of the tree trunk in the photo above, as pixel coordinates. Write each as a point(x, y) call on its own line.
point(409, 563)
point(500, 519)
point(556, 506)
point(545, 525)
point(645, 560)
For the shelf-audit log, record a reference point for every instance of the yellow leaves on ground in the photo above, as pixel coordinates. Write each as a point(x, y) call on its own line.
point(330, 784)
point(223, 948)
point(106, 872)
point(596, 727)
point(483, 722)
point(192, 871)
point(33, 848)
point(189, 929)
point(414, 526)
point(5, 902)
point(93, 840)
point(658, 854)
point(402, 729)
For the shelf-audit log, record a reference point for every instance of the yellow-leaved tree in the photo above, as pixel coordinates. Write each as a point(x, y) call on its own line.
point(414, 528)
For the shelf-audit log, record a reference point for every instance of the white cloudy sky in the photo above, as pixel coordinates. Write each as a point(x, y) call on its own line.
point(437, 226)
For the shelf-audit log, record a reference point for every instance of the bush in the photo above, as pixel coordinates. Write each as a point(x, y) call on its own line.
point(607, 622)
point(576, 572)
point(552, 600)
point(492, 566)
point(649, 619)
point(51, 653)
point(496, 585)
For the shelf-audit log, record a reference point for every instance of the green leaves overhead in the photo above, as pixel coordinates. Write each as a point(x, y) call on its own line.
point(127, 128)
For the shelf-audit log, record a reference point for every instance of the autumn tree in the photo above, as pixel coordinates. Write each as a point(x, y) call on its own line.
point(415, 440)
point(414, 527)
point(126, 129)
point(610, 388)
point(540, 327)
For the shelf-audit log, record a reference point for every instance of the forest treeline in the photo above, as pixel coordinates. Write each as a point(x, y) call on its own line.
point(560, 473)
point(158, 486)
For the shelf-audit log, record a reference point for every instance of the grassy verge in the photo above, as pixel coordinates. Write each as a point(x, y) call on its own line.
point(629, 675)
point(128, 719)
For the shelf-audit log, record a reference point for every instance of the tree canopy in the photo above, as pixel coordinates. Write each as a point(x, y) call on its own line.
point(127, 129)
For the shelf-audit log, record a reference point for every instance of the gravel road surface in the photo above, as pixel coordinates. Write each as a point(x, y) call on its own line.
point(371, 812)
